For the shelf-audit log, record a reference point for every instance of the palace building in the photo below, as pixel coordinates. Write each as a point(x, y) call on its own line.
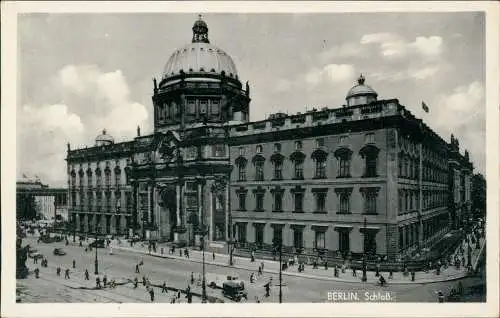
point(365, 176)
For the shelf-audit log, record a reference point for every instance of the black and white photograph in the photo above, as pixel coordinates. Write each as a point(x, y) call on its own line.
point(189, 157)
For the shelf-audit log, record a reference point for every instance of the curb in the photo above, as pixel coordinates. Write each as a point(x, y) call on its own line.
point(334, 279)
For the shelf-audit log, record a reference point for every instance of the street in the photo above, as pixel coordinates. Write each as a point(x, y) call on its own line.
point(176, 273)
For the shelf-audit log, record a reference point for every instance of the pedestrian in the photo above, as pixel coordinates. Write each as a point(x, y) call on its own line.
point(35, 260)
point(354, 272)
point(412, 276)
point(326, 265)
point(74, 264)
point(152, 294)
point(192, 278)
point(81, 243)
point(136, 282)
point(66, 273)
point(252, 257)
point(143, 280)
point(260, 271)
point(190, 298)
point(105, 281)
point(186, 251)
point(377, 270)
point(58, 271)
point(213, 256)
point(180, 253)
point(164, 288)
point(86, 274)
point(262, 265)
point(252, 277)
point(188, 290)
point(179, 294)
point(97, 282)
point(440, 297)
point(137, 271)
point(37, 273)
point(267, 289)
point(149, 248)
point(390, 274)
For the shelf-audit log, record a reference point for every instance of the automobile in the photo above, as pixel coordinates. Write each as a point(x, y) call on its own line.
point(234, 290)
point(217, 281)
point(59, 252)
point(97, 243)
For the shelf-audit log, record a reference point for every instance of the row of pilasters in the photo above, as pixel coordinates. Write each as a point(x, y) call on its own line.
point(107, 224)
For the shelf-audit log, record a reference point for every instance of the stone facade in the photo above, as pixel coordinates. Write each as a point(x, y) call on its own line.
point(366, 176)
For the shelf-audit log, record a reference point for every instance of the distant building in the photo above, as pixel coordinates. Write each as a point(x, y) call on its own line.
point(37, 200)
point(366, 176)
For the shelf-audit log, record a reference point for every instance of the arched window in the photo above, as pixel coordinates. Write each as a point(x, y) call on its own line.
point(118, 175)
point(98, 175)
point(258, 161)
point(107, 175)
point(297, 159)
point(89, 178)
point(370, 154)
point(277, 160)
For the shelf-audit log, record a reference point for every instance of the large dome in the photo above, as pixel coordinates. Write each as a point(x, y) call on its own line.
point(200, 56)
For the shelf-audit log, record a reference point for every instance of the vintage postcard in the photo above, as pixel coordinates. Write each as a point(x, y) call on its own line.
point(193, 159)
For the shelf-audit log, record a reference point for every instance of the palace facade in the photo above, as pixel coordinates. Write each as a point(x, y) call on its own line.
point(367, 175)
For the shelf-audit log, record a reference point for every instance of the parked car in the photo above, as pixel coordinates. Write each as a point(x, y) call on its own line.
point(36, 255)
point(59, 252)
point(97, 243)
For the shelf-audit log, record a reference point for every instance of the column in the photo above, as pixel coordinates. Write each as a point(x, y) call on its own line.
point(135, 208)
point(227, 217)
point(178, 205)
point(200, 202)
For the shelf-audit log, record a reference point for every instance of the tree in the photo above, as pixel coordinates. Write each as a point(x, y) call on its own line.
point(478, 193)
point(26, 206)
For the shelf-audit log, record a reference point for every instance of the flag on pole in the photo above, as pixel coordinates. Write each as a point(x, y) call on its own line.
point(425, 107)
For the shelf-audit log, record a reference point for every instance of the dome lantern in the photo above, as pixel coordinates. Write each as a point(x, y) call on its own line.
point(104, 139)
point(361, 94)
point(200, 31)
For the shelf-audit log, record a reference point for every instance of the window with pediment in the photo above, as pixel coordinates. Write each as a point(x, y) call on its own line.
point(343, 156)
point(370, 155)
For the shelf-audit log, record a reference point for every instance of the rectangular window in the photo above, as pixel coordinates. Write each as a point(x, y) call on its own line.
point(298, 145)
point(344, 167)
point(369, 138)
point(299, 198)
point(320, 240)
point(344, 199)
point(320, 169)
point(242, 173)
point(371, 166)
point(259, 202)
point(277, 235)
point(242, 233)
point(218, 151)
point(298, 239)
point(371, 243)
point(370, 203)
point(299, 169)
point(214, 107)
point(277, 147)
point(259, 235)
point(278, 202)
point(108, 178)
point(259, 171)
point(344, 241)
point(278, 170)
point(191, 106)
point(321, 202)
point(203, 106)
point(320, 142)
point(242, 151)
point(242, 201)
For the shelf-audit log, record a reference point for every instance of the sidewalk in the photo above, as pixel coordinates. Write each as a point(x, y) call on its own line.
point(451, 273)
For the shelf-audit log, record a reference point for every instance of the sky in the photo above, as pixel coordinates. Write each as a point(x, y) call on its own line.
point(80, 73)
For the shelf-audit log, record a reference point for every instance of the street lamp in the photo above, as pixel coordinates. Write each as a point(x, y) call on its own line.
point(203, 283)
point(363, 278)
point(96, 271)
point(281, 266)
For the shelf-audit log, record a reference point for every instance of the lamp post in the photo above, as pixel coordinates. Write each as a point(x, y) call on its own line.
point(363, 278)
point(203, 283)
point(281, 266)
point(96, 271)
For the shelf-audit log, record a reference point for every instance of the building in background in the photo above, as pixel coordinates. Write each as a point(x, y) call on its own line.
point(35, 200)
point(364, 177)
